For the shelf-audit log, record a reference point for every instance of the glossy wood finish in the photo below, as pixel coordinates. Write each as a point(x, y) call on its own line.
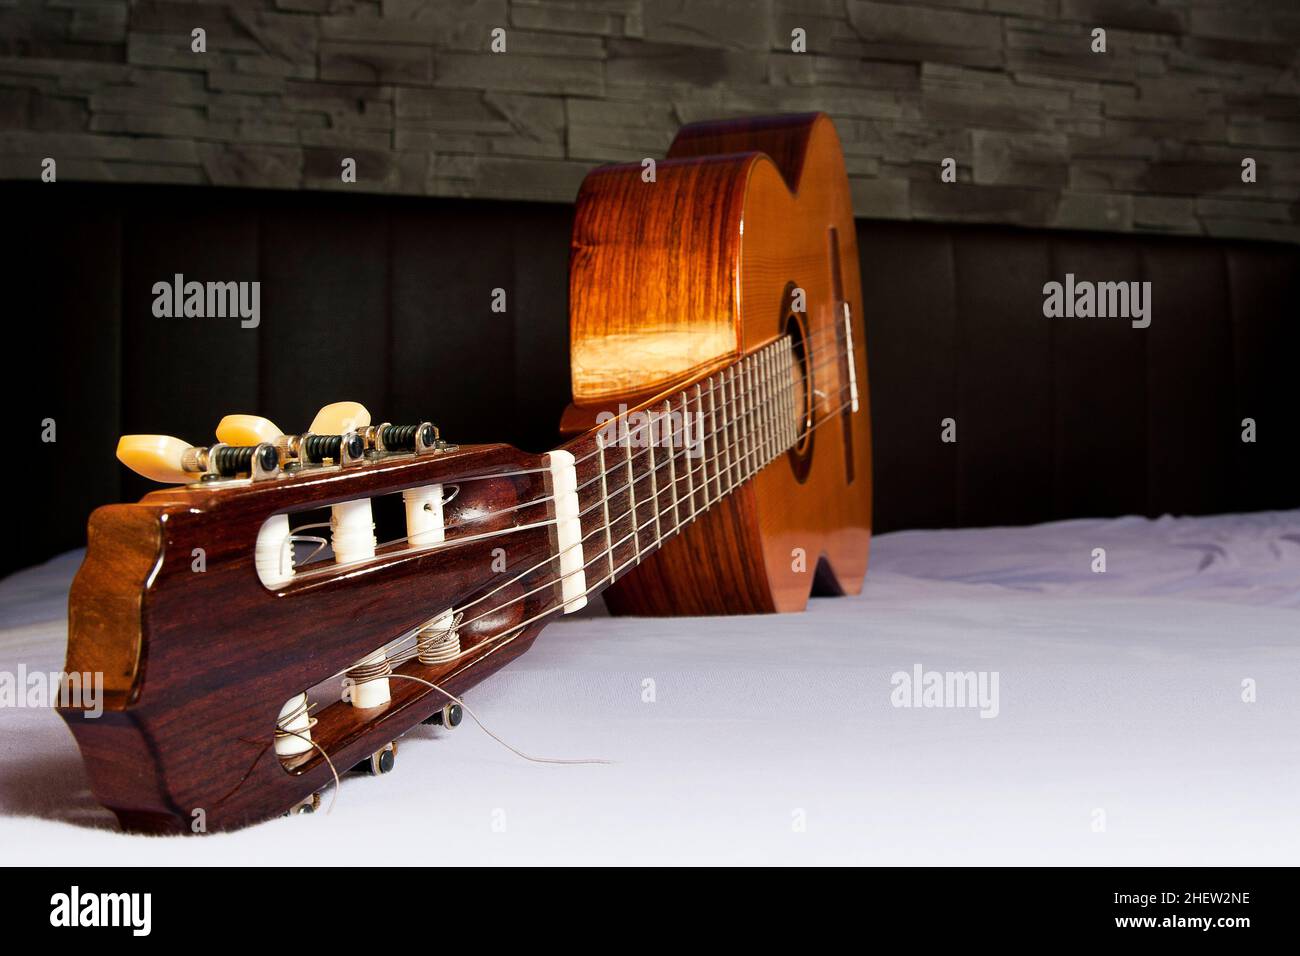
point(685, 274)
point(219, 652)
point(671, 282)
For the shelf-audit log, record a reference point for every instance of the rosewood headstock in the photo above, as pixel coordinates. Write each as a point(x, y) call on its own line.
point(207, 637)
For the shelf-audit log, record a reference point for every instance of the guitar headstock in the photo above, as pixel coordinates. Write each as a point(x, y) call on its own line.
point(288, 606)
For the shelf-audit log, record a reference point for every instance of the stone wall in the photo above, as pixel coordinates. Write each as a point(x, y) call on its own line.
point(1149, 135)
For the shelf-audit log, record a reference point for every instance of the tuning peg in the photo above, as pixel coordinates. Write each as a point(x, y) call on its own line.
point(247, 430)
point(157, 457)
point(339, 418)
point(171, 461)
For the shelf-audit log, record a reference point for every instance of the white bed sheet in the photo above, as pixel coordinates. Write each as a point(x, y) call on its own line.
point(1120, 694)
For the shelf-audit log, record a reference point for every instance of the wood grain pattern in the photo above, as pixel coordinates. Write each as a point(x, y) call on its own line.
point(194, 729)
point(670, 282)
point(760, 199)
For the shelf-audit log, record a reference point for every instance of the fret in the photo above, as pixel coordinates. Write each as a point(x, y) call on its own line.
point(760, 456)
point(604, 501)
point(631, 497)
point(713, 416)
point(704, 447)
point(741, 454)
point(672, 463)
point(733, 453)
point(690, 478)
point(760, 374)
point(725, 420)
point(768, 453)
point(654, 478)
point(746, 406)
point(755, 423)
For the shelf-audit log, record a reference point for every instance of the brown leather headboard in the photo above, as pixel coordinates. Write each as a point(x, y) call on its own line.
point(386, 300)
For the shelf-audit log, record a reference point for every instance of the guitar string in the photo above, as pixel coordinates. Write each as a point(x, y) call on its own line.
point(399, 643)
point(497, 640)
point(701, 438)
point(819, 334)
point(502, 640)
point(688, 475)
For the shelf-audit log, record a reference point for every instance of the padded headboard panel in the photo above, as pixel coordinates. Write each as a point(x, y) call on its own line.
point(387, 300)
point(1073, 417)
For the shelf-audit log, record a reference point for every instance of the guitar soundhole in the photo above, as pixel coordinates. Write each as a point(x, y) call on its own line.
point(802, 369)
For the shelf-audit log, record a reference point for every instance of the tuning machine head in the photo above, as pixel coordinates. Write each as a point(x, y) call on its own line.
point(390, 439)
point(171, 461)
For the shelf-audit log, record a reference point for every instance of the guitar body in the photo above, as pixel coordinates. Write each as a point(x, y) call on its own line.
point(673, 278)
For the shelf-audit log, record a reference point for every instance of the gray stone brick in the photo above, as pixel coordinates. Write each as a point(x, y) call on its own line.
point(809, 69)
point(537, 118)
point(228, 82)
point(519, 72)
point(1020, 159)
point(264, 167)
point(377, 170)
point(375, 62)
point(137, 172)
point(931, 199)
point(880, 198)
point(1041, 9)
point(1123, 15)
point(284, 36)
point(57, 113)
point(98, 22)
point(901, 31)
point(546, 180)
point(1263, 22)
point(1165, 214)
point(1253, 131)
point(603, 131)
point(1108, 212)
point(1148, 136)
point(449, 110)
point(1251, 229)
point(1064, 49)
point(668, 66)
point(726, 24)
point(464, 25)
point(1107, 173)
point(615, 18)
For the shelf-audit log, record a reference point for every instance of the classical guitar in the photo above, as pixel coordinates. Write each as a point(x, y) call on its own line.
point(295, 601)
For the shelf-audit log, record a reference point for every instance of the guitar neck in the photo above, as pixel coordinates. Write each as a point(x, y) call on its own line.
point(646, 473)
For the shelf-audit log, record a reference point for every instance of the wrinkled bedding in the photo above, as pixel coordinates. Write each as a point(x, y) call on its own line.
point(1149, 714)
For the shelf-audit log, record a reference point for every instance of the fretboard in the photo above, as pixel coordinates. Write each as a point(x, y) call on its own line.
point(648, 472)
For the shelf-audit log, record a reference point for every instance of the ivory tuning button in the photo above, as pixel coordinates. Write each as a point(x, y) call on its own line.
point(247, 430)
point(159, 458)
point(339, 418)
point(171, 461)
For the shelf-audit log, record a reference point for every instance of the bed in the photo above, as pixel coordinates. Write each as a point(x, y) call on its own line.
point(1146, 714)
